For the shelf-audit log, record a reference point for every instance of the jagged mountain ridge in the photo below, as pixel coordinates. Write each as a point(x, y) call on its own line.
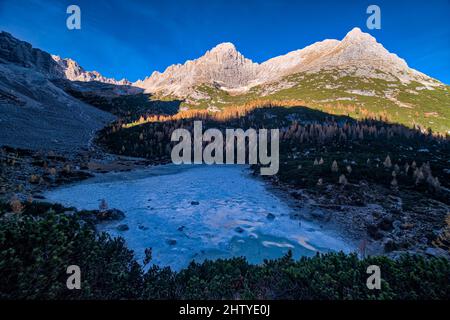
point(74, 72)
point(34, 112)
point(358, 53)
point(223, 65)
point(19, 52)
point(356, 72)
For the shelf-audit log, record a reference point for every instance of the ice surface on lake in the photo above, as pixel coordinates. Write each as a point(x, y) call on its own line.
point(202, 212)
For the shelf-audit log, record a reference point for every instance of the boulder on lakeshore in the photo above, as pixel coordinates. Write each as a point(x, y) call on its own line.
point(111, 214)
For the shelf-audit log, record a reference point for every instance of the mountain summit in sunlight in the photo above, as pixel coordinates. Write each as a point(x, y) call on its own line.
point(357, 54)
point(356, 76)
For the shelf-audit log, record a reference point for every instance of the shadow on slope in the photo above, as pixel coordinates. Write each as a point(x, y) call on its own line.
point(124, 101)
point(304, 133)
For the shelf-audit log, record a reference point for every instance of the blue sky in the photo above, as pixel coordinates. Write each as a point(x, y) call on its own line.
point(131, 38)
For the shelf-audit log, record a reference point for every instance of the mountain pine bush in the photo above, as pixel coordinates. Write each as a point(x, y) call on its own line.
point(37, 245)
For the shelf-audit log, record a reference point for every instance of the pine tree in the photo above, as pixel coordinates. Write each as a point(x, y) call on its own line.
point(387, 162)
point(103, 206)
point(394, 184)
point(406, 168)
point(334, 166)
point(343, 180)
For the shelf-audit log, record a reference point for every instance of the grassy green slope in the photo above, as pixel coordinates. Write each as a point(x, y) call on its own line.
point(357, 97)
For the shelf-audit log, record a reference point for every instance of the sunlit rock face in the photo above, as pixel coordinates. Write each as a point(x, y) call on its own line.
point(358, 54)
point(223, 65)
point(74, 72)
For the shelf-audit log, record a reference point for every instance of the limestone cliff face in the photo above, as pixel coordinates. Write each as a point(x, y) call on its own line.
point(223, 65)
point(74, 72)
point(34, 112)
point(358, 54)
point(23, 54)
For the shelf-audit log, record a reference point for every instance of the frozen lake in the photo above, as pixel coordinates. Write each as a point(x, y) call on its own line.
point(202, 212)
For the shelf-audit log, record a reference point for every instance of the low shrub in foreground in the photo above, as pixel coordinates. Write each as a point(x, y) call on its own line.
point(36, 247)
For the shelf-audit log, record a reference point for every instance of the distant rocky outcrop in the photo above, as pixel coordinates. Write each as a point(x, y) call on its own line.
point(35, 113)
point(74, 72)
point(23, 54)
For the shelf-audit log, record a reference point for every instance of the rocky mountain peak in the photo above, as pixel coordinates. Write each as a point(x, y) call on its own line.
point(225, 47)
point(356, 35)
point(222, 66)
point(21, 53)
point(357, 54)
point(360, 45)
point(74, 72)
point(226, 54)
